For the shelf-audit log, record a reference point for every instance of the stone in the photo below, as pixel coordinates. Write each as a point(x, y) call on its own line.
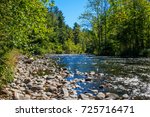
point(48, 93)
point(125, 96)
point(50, 77)
point(92, 73)
point(112, 96)
point(4, 91)
point(95, 91)
point(58, 76)
point(18, 81)
point(37, 87)
point(83, 97)
point(100, 96)
point(65, 92)
point(27, 97)
point(17, 96)
point(51, 89)
point(29, 85)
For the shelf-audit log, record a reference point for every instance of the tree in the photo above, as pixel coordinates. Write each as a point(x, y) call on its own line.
point(76, 33)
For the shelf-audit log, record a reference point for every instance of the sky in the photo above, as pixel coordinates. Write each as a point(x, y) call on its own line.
point(71, 9)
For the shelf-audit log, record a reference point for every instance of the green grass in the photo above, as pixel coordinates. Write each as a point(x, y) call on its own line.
point(7, 66)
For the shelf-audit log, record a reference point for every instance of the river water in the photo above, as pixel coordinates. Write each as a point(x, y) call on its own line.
point(108, 66)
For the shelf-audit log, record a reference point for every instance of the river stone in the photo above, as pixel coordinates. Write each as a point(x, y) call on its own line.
point(95, 91)
point(18, 81)
point(29, 85)
point(27, 97)
point(92, 73)
point(17, 96)
point(83, 97)
point(48, 93)
point(100, 96)
point(111, 96)
point(65, 92)
point(58, 76)
point(51, 89)
point(37, 87)
point(49, 77)
point(125, 96)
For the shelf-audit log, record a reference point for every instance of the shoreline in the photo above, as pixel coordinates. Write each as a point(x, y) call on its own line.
point(43, 79)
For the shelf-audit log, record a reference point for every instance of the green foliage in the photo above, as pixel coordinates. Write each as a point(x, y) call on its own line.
point(123, 28)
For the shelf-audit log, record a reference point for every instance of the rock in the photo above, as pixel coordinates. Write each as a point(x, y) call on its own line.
point(48, 93)
point(29, 85)
point(51, 89)
point(4, 91)
point(50, 77)
point(27, 97)
point(83, 97)
point(58, 76)
point(29, 61)
point(100, 96)
point(37, 87)
point(17, 96)
point(65, 92)
point(125, 96)
point(74, 96)
point(89, 94)
point(18, 81)
point(95, 91)
point(92, 73)
point(112, 96)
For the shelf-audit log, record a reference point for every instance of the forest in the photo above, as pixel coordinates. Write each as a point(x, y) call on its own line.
point(36, 27)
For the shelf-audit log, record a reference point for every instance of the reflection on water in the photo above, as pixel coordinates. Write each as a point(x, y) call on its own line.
point(120, 67)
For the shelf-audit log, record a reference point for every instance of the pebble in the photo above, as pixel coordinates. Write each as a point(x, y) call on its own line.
point(100, 96)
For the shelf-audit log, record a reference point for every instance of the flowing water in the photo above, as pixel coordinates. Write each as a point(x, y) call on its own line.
point(109, 66)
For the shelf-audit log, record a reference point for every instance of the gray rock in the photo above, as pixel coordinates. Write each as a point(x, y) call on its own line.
point(125, 96)
point(100, 96)
point(17, 96)
point(27, 97)
point(92, 73)
point(51, 89)
point(65, 92)
point(83, 97)
point(59, 77)
point(49, 77)
point(29, 85)
point(37, 87)
point(48, 93)
point(95, 91)
point(27, 80)
point(112, 96)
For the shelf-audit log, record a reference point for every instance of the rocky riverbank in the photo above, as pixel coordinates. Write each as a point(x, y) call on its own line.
point(43, 79)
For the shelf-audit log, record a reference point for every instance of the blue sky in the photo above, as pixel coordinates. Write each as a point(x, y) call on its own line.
point(71, 9)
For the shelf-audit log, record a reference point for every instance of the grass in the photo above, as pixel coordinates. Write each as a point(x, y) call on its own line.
point(7, 66)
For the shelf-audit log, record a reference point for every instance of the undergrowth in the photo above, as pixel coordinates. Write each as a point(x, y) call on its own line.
point(7, 66)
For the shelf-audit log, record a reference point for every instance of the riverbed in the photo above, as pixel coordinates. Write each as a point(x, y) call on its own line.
point(111, 69)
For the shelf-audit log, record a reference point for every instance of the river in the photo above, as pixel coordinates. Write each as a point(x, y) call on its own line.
point(106, 66)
